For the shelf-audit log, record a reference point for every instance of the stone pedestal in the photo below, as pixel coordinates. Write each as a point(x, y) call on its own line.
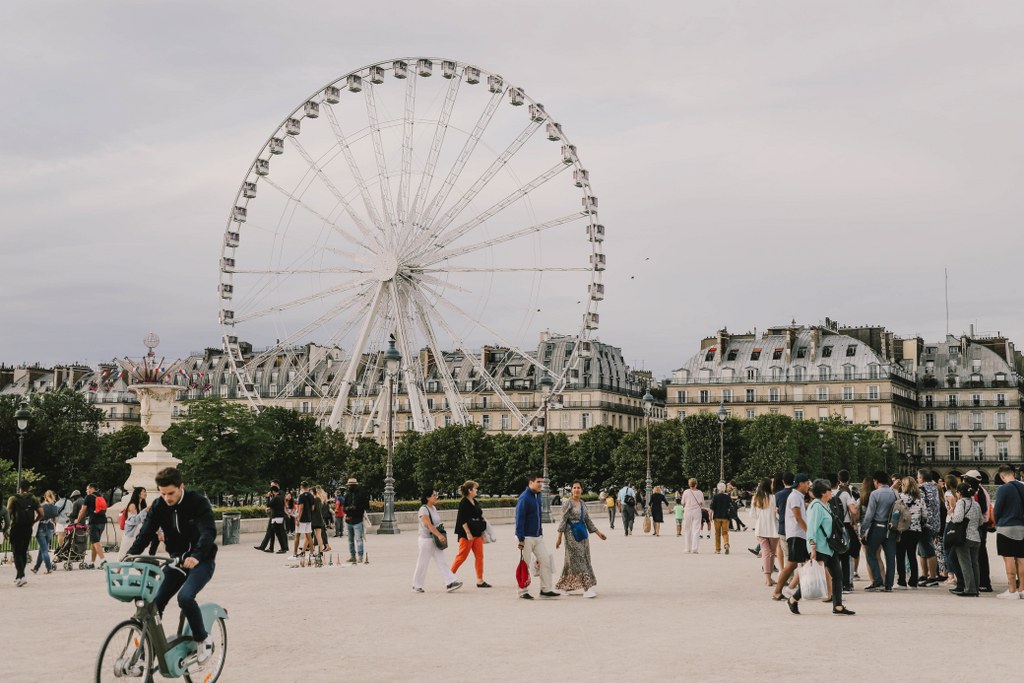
point(156, 401)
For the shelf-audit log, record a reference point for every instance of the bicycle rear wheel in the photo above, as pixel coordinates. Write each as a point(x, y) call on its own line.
point(126, 654)
point(209, 671)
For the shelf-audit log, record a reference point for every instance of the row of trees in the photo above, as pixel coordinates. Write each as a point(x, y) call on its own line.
point(227, 449)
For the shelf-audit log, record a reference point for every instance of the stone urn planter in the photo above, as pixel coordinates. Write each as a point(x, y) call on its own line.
point(156, 401)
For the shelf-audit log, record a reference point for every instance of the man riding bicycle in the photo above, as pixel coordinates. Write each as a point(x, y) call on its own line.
point(186, 520)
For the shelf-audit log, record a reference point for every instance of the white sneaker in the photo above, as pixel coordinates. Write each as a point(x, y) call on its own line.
point(205, 650)
point(1007, 595)
point(20, 582)
point(293, 557)
point(591, 593)
point(788, 592)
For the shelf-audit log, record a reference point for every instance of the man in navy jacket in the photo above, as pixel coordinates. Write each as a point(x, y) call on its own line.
point(531, 536)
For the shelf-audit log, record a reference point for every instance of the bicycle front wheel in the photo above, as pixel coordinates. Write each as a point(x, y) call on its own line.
point(126, 654)
point(209, 671)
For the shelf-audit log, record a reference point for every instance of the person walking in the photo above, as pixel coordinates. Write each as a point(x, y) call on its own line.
point(95, 509)
point(658, 503)
point(577, 570)
point(967, 552)
point(135, 515)
point(357, 502)
point(276, 527)
point(530, 534)
point(693, 505)
point(469, 529)
point(45, 531)
point(25, 510)
point(734, 511)
point(875, 534)
point(609, 501)
point(678, 510)
point(1009, 514)
point(795, 521)
point(627, 507)
point(721, 513)
point(907, 542)
point(432, 542)
point(781, 488)
point(766, 527)
point(820, 522)
point(64, 507)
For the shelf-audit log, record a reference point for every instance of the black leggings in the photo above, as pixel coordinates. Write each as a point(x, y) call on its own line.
point(831, 563)
point(906, 552)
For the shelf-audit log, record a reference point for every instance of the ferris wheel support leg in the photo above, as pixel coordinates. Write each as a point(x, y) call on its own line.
point(353, 364)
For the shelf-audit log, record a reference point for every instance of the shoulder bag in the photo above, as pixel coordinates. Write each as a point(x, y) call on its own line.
point(579, 529)
point(956, 532)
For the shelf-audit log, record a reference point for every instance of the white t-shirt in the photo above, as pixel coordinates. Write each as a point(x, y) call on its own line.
point(435, 519)
point(693, 500)
point(795, 500)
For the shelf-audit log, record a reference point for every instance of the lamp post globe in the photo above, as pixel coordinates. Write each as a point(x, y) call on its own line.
point(723, 415)
point(392, 364)
point(546, 385)
point(21, 418)
point(648, 403)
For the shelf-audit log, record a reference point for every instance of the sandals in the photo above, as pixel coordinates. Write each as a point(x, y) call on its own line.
point(843, 611)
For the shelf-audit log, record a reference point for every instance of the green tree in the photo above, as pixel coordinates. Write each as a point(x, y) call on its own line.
point(328, 456)
point(592, 455)
point(286, 453)
point(111, 469)
point(366, 463)
point(220, 446)
point(769, 447)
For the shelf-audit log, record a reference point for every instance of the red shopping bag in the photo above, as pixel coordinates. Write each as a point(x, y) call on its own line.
point(522, 572)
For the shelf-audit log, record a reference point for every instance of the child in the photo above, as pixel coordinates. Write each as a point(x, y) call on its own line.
point(705, 518)
point(678, 509)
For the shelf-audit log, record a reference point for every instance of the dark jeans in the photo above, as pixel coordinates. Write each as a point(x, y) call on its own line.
point(831, 563)
point(20, 537)
point(906, 552)
point(274, 531)
point(189, 583)
point(43, 536)
point(852, 551)
point(339, 527)
point(983, 576)
point(879, 536)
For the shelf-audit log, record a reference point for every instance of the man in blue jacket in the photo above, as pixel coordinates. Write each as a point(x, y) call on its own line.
point(531, 536)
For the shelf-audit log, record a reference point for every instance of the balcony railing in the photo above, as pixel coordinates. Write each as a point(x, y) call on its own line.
point(810, 398)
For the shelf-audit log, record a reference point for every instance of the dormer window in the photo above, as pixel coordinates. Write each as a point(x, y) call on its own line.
point(777, 354)
point(732, 354)
point(755, 354)
point(801, 352)
point(826, 351)
point(851, 351)
point(710, 355)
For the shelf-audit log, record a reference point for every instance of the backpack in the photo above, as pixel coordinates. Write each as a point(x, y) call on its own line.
point(24, 511)
point(839, 539)
point(629, 500)
point(101, 504)
point(123, 517)
point(835, 506)
point(899, 518)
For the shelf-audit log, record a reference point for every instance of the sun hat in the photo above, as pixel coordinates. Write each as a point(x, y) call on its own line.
point(973, 474)
point(352, 482)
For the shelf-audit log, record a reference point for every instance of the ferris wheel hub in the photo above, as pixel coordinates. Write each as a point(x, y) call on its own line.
point(386, 267)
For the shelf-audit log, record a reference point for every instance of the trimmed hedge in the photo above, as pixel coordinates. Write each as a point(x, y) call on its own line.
point(247, 512)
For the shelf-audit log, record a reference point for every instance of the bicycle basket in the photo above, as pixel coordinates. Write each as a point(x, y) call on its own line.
point(127, 581)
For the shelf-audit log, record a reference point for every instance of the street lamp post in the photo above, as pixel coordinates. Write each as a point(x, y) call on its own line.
point(21, 417)
point(392, 363)
point(723, 414)
point(885, 455)
point(648, 401)
point(546, 385)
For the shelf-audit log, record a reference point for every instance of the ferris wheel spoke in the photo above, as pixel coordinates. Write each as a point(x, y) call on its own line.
point(539, 269)
point(441, 283)
point(277, 308)
point(512, 347)
point(441, 238)
point(382, 165)
point(310, 271)
point(405, 180)
point(440, 131)
point(460, 162)
point(499, 163)
point(401, 304)
point(357, 175)
point(455, 406)
point(345, 204)
point(337, 228)
point(354, 357)
point(523, 232)
point(494, 384)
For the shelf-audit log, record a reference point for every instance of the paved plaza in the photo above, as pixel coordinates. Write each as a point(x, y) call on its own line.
point(698, 617)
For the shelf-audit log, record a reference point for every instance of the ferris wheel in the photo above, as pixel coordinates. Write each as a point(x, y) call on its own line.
point(424, 201)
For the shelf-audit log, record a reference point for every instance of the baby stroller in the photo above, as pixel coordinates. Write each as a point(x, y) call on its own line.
point(75, 546)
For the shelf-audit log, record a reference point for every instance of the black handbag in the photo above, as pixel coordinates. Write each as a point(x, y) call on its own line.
point(442, 542)
point(956, 532)
point(477, 527)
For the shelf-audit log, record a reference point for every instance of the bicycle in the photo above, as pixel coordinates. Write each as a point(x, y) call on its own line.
point(138, 647)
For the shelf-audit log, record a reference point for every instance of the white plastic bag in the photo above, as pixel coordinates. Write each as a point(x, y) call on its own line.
point(812, 581)
point(489, 536)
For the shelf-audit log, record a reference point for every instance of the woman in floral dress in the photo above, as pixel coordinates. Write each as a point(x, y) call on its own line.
point(577, 572)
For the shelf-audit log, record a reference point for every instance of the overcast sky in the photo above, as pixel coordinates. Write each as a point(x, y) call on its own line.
point(772, 160)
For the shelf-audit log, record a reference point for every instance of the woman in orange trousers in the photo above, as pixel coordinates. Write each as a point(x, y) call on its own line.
point(469, 527)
